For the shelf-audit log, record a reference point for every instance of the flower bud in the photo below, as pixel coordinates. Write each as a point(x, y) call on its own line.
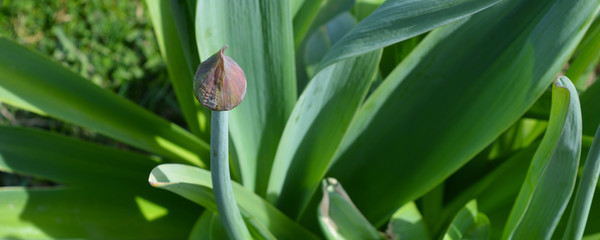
point(220, 83)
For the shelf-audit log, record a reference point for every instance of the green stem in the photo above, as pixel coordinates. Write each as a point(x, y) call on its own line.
point(219, 161)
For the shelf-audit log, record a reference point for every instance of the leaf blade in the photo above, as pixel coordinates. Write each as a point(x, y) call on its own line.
point(33, 82)
point(180, 60)
point(316, 128)
point(585, 192)
point(395, 21)
point(195, 184)
point(505, 80)
point(553, 171)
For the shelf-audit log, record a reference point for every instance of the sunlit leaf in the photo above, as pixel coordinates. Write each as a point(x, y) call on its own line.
point(195, 184)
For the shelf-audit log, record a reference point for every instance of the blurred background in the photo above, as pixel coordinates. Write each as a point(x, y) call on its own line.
point(110, 42)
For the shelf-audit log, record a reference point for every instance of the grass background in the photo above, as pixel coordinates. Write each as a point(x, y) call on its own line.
point(109, 42)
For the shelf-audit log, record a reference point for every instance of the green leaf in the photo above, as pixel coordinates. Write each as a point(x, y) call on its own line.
point(452, 96)
point(469, 224)
point(364, 8)
point(295, 6)
point(103, 184)
point(259, 35)
point(586, 58)
point(195, 184)
point(327, 12)
point(33, 82)
point(495, 190)
point(551, 178)
point(303, 20)
point(397, 20)
point(315, 130)
point(208, 227)
point(322, 39)
point(407, 223)
point(67, 213)
point(70, 161)
point(339, 218)
point(585, 192)
point(181, 72)
point(590, 103)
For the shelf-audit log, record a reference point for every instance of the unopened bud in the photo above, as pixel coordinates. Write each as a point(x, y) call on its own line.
point(220, 83)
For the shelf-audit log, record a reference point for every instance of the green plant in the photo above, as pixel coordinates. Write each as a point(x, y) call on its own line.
point(415, 107)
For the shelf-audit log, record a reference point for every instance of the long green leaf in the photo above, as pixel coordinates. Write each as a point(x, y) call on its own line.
point(407, 223)
point(397, 20)
point(33, 82)
point(259, 35)
point(587, 57)
point(303, 20)
point(315, 130)
point(585, 192)
point(65, 213)
point(181, 71)
point(70, 161)
point(553, 171)
point(452, 96)
point(469, 224)
point(195, 184)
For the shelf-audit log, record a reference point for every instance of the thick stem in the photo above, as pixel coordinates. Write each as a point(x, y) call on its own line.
point(219, 162)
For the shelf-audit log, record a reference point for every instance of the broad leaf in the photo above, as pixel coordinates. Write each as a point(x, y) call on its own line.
point(553, 171)
point(315, 130)
point(195, 184)
point(66, 213)
point(70, 161)
point(259, 35)
point(180, 61)
point(33, 82)
point(452, 96)
point(469, 224)
point(339, 218)
point(407, 223)
point(585, 192)
point(397, 20)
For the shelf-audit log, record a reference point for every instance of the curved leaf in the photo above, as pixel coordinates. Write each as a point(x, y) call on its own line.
point(259, 35)
point(315, 130)
point(397, 20)
point(195, 184)
point(338, 216)
point(551, 178)
point(31, 81)
point(469, 224)
point(461, 88)
point(585, 192)
point(407, 223)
